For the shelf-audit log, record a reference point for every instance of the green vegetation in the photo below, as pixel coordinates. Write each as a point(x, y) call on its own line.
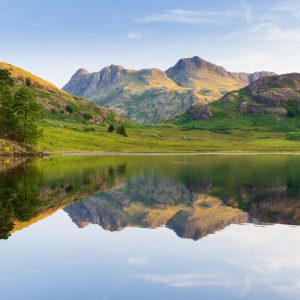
point(121, 130)
point(111, 128)
point(19, 111)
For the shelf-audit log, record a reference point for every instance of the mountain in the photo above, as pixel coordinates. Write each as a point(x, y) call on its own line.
point(209, 80)
point(147, 95)
point(58, 103)
point(152, 95)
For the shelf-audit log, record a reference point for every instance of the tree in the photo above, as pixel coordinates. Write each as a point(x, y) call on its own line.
point(111, 128)
point(28, 112)
point(121, 130)
point(5, 78)
point(7, 115)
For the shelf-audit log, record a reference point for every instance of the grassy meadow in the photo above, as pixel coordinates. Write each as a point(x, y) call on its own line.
point(245, 134)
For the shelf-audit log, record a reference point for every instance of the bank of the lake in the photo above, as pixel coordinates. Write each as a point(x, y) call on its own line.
point(11, 149)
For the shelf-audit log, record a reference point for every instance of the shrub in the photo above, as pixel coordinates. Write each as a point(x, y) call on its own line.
point(70, 108)
point(121, 130)
point(111, 128)
point(87, 116)
point(28, 81)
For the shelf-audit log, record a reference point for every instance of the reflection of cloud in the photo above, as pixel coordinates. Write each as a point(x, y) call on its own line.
point(136, 261)
point(262, 261)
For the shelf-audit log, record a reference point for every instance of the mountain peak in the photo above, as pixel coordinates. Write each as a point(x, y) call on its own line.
point(186, 70)
point(82, 71)
point(190, 64)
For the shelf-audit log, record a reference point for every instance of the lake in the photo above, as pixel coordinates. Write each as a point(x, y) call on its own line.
point(151, 227)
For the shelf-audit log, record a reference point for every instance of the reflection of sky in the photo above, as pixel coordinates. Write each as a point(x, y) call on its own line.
point(55, 260)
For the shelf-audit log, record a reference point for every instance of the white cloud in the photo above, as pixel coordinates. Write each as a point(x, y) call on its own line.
point(230, 36)
point(187, 280)
point(136, 261)
point(290, 7)
point(133, 35)
point(247, 10)
point(273, 32)
point(200, 16)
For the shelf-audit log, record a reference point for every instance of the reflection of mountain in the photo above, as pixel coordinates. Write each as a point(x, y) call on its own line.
point(193, 196)
point(207, 215)
point(277, 204)
point(153, 202)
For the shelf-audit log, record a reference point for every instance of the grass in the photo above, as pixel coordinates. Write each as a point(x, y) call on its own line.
point(61, 135)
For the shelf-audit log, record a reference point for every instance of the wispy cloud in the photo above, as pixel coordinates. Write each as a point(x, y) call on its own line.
point(136, 261)
point(190, 280)
point(273, 32)
point(291, 7)
point(198, 17)
point(38, 25)
point(134, 35)
point(230, 36)
point(246, 10)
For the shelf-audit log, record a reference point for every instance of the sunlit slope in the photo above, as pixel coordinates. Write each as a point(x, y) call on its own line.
point(60, 105)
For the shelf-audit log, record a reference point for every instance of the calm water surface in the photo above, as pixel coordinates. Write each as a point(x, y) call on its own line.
point(151, 227)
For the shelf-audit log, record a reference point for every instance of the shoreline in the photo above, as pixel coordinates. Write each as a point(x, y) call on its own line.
point(99, 153)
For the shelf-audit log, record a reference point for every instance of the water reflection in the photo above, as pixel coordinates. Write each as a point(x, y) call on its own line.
point(191, 195)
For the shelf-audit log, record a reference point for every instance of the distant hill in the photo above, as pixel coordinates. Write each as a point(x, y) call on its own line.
point(279, 94)
point(152, 95)
point(272, 103)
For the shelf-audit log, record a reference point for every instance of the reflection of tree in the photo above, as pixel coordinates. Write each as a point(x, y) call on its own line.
point(18, 198)
point(26, 194)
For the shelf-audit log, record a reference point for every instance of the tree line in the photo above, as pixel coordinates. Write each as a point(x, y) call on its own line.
point(19, 110)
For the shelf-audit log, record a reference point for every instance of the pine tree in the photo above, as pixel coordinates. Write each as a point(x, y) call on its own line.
point(28, 112)
point(7, 115)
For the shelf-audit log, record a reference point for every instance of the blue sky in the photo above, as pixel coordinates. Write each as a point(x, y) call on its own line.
point(53, 38)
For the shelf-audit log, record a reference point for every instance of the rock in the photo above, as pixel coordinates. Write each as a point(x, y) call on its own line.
point(200, 112)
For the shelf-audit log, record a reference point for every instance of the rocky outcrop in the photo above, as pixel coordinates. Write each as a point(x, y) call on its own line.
point(276, 91)
point(277, 95)
point(199, 112)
